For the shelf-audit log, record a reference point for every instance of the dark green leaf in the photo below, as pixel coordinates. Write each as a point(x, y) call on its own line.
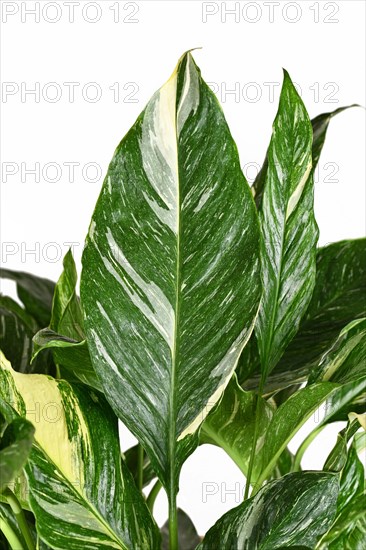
point(293, 511)
point(35, 293)
point(187, 535)
point(170, 283)
point(289, 229)
point(15, 446)
point(16, 333)
point(81, 492)
point(231, 425)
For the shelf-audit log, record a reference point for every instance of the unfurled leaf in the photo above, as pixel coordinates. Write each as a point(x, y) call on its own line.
point(65, 335)
point(187, 535)
point(170, 283)
point(288, 228)
point(81, 492)
point(15, 446)
point(231, 425)
point(286, 421)
point(35, 293)
point(287, 513)
point(338, 456)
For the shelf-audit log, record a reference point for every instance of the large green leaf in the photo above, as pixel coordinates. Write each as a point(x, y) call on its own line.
point(231, 425)
point(287, 513)
point(339, 297)
point(81, 492)
point(249, 361)
point(286, 422)
point(65, 335)
point(288, 227)
point(15, 446)
point(35, 292)
point(170, 283)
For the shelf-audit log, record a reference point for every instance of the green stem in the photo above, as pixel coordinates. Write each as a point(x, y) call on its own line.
point(304, 445)
point(140, 466)
point(255, 437)
point(20, 517)
point(10, 535)
point(173, 521)
point(150, 501)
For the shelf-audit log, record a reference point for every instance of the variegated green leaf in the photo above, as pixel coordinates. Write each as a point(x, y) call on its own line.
point(34, 292)
point(286, 422)
point(81, 492)
point(15, 446)
point(288, 228)
point(231, 425)
point(287, 513)
point(65, 335)
point(170, 283)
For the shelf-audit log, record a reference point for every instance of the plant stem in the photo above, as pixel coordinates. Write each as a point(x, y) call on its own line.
point(140, 466)
point(10, 536)
point(255, 437)
point(150, 501)
point(19, 514)
point(173, 521)
point(304, 445)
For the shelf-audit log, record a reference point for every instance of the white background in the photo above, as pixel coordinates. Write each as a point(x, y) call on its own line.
point(322, 46)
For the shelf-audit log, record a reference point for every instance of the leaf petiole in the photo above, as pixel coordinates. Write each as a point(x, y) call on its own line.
point(20, 517)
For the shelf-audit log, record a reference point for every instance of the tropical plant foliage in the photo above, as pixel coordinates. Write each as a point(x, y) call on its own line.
point(207, 315)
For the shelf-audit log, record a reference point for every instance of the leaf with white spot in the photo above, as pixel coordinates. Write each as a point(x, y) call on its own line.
point(81, 492)
point(170, 284)
point(287, 513)
point(289, 230)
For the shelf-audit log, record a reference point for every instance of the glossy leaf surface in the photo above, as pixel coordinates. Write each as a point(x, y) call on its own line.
point(81, 493)
point(170, 283)
point(290, 512)
point(288, 227)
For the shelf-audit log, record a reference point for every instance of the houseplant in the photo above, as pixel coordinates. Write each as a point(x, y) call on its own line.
point(206, 315)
